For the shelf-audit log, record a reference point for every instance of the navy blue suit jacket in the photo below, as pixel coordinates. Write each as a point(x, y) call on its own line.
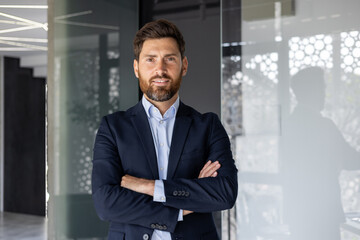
point(124, 145)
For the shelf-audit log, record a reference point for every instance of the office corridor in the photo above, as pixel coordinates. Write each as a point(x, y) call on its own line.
point(15, 226)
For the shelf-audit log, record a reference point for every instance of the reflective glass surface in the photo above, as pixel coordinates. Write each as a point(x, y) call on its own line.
point(290, 103)
point(90, 75)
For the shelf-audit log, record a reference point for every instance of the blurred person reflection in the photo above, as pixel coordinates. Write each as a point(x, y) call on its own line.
point(314, 153)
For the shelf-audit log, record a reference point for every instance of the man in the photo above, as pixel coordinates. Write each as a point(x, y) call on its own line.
point(161, 168)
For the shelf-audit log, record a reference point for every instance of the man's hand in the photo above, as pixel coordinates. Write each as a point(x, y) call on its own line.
point(146, 186)
point(139, 185)
point(209, 170)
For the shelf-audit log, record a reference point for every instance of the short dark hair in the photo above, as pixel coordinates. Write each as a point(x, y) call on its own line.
point(158, 29)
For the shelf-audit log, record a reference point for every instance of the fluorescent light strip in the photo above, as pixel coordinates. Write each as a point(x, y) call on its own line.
point(38, 40)
point(45, 26)
point(88, 25)
point(25, 6)
point(18, 29)
point(73, 15)
point(22, 19)
point(24, 45)
point(14, 22)
point(9, 49)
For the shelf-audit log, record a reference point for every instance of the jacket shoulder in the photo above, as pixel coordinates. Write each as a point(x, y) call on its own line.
point(123, 114)
point(196, 114)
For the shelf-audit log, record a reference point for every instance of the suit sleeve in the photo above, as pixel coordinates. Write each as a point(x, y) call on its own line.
point(116, 204)
point(212, 193)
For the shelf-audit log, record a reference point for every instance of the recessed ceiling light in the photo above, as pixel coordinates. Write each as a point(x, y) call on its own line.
point(18, 29)
point(12, 49)
point(25, 6)
point(20, 39)
point(22, 19)
point(13, 22)
point(73, 15)
point(24, 45)
point(88, 24)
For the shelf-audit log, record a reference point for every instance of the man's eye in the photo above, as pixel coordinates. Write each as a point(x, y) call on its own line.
point(150, 60)
point(171, 59)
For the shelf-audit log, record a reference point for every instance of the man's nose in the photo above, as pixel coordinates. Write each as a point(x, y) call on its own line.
point(161, 67)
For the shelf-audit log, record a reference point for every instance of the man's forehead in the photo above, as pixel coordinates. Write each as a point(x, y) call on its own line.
point(164, 45)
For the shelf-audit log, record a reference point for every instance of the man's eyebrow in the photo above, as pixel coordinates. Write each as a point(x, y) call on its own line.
point(149, 55)
point(170, 54)
point(166, 55)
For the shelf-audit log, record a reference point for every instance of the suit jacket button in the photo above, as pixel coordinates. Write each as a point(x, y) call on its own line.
point(146, 236)
point(187, 194)
point(175, 193)
point(158, 226)
point(153, 226)
point(182, 193)
point(164, 227)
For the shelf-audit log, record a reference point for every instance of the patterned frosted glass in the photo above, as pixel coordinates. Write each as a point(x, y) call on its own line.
point(91, 75)
point(296, 142)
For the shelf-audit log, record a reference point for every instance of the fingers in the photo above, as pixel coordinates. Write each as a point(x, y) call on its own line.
point(187, 212)
point(209, 169)
point(125, 180)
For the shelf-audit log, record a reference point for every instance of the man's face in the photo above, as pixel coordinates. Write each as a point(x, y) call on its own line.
point(160, 69)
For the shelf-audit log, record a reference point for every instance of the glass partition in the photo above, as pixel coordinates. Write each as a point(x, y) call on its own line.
point(290, 103)
point(90, 75)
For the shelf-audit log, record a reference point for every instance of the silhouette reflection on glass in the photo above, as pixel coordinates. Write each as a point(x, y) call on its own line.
point(314, 153)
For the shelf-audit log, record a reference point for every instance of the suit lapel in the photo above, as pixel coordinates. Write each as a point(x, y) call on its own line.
point(142, 127)
point(180, 133)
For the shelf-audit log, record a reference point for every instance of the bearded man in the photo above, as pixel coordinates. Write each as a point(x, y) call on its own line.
point(161, 168)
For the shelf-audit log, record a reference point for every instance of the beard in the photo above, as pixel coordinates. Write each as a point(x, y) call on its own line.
point(158, 93)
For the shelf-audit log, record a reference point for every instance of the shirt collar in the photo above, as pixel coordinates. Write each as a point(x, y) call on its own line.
point(152, 111)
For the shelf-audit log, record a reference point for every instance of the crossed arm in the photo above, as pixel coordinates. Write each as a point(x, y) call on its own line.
point(120, 198)
point(146, 186)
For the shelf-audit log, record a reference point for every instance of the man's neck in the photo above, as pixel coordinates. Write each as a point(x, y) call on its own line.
point(163, 106)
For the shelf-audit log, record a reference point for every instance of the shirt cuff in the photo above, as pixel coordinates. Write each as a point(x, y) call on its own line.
point(159, 192)
point(180, 217)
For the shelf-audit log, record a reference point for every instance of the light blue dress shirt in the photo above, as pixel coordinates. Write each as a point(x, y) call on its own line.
point(162, 129)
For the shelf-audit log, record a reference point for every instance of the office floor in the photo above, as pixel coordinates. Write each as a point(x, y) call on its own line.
point(15, 226)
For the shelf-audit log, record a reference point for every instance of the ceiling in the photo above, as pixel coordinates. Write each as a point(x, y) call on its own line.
point(23, 27)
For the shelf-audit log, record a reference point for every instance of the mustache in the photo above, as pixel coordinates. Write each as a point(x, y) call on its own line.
point(164, 75)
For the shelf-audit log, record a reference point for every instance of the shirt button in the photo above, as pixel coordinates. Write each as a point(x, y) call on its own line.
point(161, 144)
point(161, 122)
point(161, 169)
point(162, 198)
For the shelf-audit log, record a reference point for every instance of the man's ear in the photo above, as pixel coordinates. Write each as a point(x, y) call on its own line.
point(136, 68)
point(184, 66)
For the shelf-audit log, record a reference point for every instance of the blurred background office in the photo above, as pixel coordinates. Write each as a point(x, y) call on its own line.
point(284, 75)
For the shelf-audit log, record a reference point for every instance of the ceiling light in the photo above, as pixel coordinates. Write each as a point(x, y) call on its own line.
point(22, 19)
point(19, 29)
point(20, 39)
point(24, 45)
point(73, 15)
point(10, 49)
point(25, 6)
point(88, 24)
point(13, 22)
